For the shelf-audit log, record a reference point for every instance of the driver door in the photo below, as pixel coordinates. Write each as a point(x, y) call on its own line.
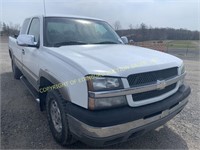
point(30, 54)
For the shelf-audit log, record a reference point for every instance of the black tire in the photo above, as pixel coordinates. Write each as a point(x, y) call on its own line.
point(62, 135)
point(16, 72)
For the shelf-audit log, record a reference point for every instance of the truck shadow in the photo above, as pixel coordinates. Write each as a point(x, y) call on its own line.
point(165, 138)
point(17, 102)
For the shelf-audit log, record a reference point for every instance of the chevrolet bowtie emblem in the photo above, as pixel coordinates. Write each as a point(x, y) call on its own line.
point(161, 84)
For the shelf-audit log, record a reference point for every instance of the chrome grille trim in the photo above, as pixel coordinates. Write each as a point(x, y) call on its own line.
point(134, 90)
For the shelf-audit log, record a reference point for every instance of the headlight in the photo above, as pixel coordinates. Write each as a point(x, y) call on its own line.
point(98, 84)
point(103, 83)
point(104, 103)
point(182, 71)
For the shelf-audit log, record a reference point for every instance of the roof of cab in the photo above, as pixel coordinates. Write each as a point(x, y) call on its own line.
point(68, 16)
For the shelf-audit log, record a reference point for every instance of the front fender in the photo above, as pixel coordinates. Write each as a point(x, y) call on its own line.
point(55, 81)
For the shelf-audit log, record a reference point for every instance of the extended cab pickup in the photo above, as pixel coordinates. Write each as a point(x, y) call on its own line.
point(94, 87)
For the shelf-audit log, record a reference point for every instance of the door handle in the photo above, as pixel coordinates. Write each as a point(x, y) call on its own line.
point(23, 51)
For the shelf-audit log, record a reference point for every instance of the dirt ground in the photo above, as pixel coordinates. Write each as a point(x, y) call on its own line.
point(23, 126)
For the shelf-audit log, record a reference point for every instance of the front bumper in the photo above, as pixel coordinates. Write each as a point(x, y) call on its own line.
point(111, 132)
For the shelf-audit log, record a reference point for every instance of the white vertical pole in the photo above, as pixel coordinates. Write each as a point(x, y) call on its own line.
point(44, 7)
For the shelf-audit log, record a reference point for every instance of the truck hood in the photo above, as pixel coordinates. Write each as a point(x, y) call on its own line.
point(114, 59)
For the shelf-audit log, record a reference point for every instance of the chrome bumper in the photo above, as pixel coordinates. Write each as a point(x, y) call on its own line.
point(81, 129)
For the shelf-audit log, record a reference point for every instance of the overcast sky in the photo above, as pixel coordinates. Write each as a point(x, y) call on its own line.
point(155, 13)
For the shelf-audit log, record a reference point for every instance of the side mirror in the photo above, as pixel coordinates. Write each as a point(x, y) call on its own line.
point(26, 40)
point(131, 42)
point(124, 39)
point(16, 35)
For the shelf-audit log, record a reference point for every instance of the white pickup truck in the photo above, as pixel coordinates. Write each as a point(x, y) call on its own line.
point(94, 87)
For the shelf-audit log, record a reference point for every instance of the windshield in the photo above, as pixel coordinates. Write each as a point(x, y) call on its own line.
point(69, 31)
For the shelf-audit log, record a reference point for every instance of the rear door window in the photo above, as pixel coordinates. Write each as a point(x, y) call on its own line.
point(25, 26)
point(35, 29)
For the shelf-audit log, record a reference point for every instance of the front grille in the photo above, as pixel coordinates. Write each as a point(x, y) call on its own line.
point(148, 78)
point(152, 94)
point(151, 77)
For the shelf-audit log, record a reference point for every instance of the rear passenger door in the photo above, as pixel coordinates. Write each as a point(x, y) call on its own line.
point(30, 54)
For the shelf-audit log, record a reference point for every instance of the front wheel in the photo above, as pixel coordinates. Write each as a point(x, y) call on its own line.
point(57, 118)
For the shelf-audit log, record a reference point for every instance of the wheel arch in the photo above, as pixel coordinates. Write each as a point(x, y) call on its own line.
point(47, 80)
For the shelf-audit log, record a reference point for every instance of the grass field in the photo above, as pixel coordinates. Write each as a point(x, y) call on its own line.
point(176, 44)
point(170, 44)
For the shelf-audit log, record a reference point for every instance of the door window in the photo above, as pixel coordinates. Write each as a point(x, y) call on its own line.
point(25, 26)
point(35, 29)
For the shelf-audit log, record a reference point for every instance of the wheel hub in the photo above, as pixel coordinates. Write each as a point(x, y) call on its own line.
point(56, 116)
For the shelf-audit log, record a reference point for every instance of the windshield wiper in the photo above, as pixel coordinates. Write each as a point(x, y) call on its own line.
point(69, 43)
point(106, 42)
